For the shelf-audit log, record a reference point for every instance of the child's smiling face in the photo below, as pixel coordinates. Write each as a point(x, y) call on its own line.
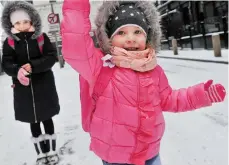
point(131, 38)
point(22, 26)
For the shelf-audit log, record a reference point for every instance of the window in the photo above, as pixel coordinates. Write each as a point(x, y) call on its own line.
point(30, 2)
point(222, 8)
point(174, 5)
point(209, 12)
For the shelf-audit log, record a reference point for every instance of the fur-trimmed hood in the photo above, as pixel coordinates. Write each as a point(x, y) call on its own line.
point(108, 8)
point(32, 12)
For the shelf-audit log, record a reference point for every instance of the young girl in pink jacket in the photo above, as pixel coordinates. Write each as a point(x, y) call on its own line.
point(123, 90)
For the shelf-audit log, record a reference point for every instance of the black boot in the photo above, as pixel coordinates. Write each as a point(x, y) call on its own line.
point(50, 142)
point(39, 144)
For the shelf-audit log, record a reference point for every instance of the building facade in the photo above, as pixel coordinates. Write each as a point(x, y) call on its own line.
point(192, 23)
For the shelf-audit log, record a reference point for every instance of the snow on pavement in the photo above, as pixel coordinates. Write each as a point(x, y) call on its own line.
point(192, 138)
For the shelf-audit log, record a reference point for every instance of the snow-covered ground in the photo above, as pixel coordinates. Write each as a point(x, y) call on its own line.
point(196, 54)
point(192, 138)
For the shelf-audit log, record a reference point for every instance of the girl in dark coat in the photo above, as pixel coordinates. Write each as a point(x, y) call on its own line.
point(28, 59)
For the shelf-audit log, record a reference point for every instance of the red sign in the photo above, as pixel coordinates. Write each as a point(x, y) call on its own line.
point(53, 18)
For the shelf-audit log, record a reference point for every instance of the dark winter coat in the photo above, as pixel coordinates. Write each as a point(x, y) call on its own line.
point(38, 101)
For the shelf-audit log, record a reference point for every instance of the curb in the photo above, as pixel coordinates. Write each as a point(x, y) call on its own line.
point(198, 60)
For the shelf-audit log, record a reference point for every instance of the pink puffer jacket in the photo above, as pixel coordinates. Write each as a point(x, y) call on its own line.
point(127, 125)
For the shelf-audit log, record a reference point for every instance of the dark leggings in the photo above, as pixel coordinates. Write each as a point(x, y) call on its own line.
point(36, 128)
